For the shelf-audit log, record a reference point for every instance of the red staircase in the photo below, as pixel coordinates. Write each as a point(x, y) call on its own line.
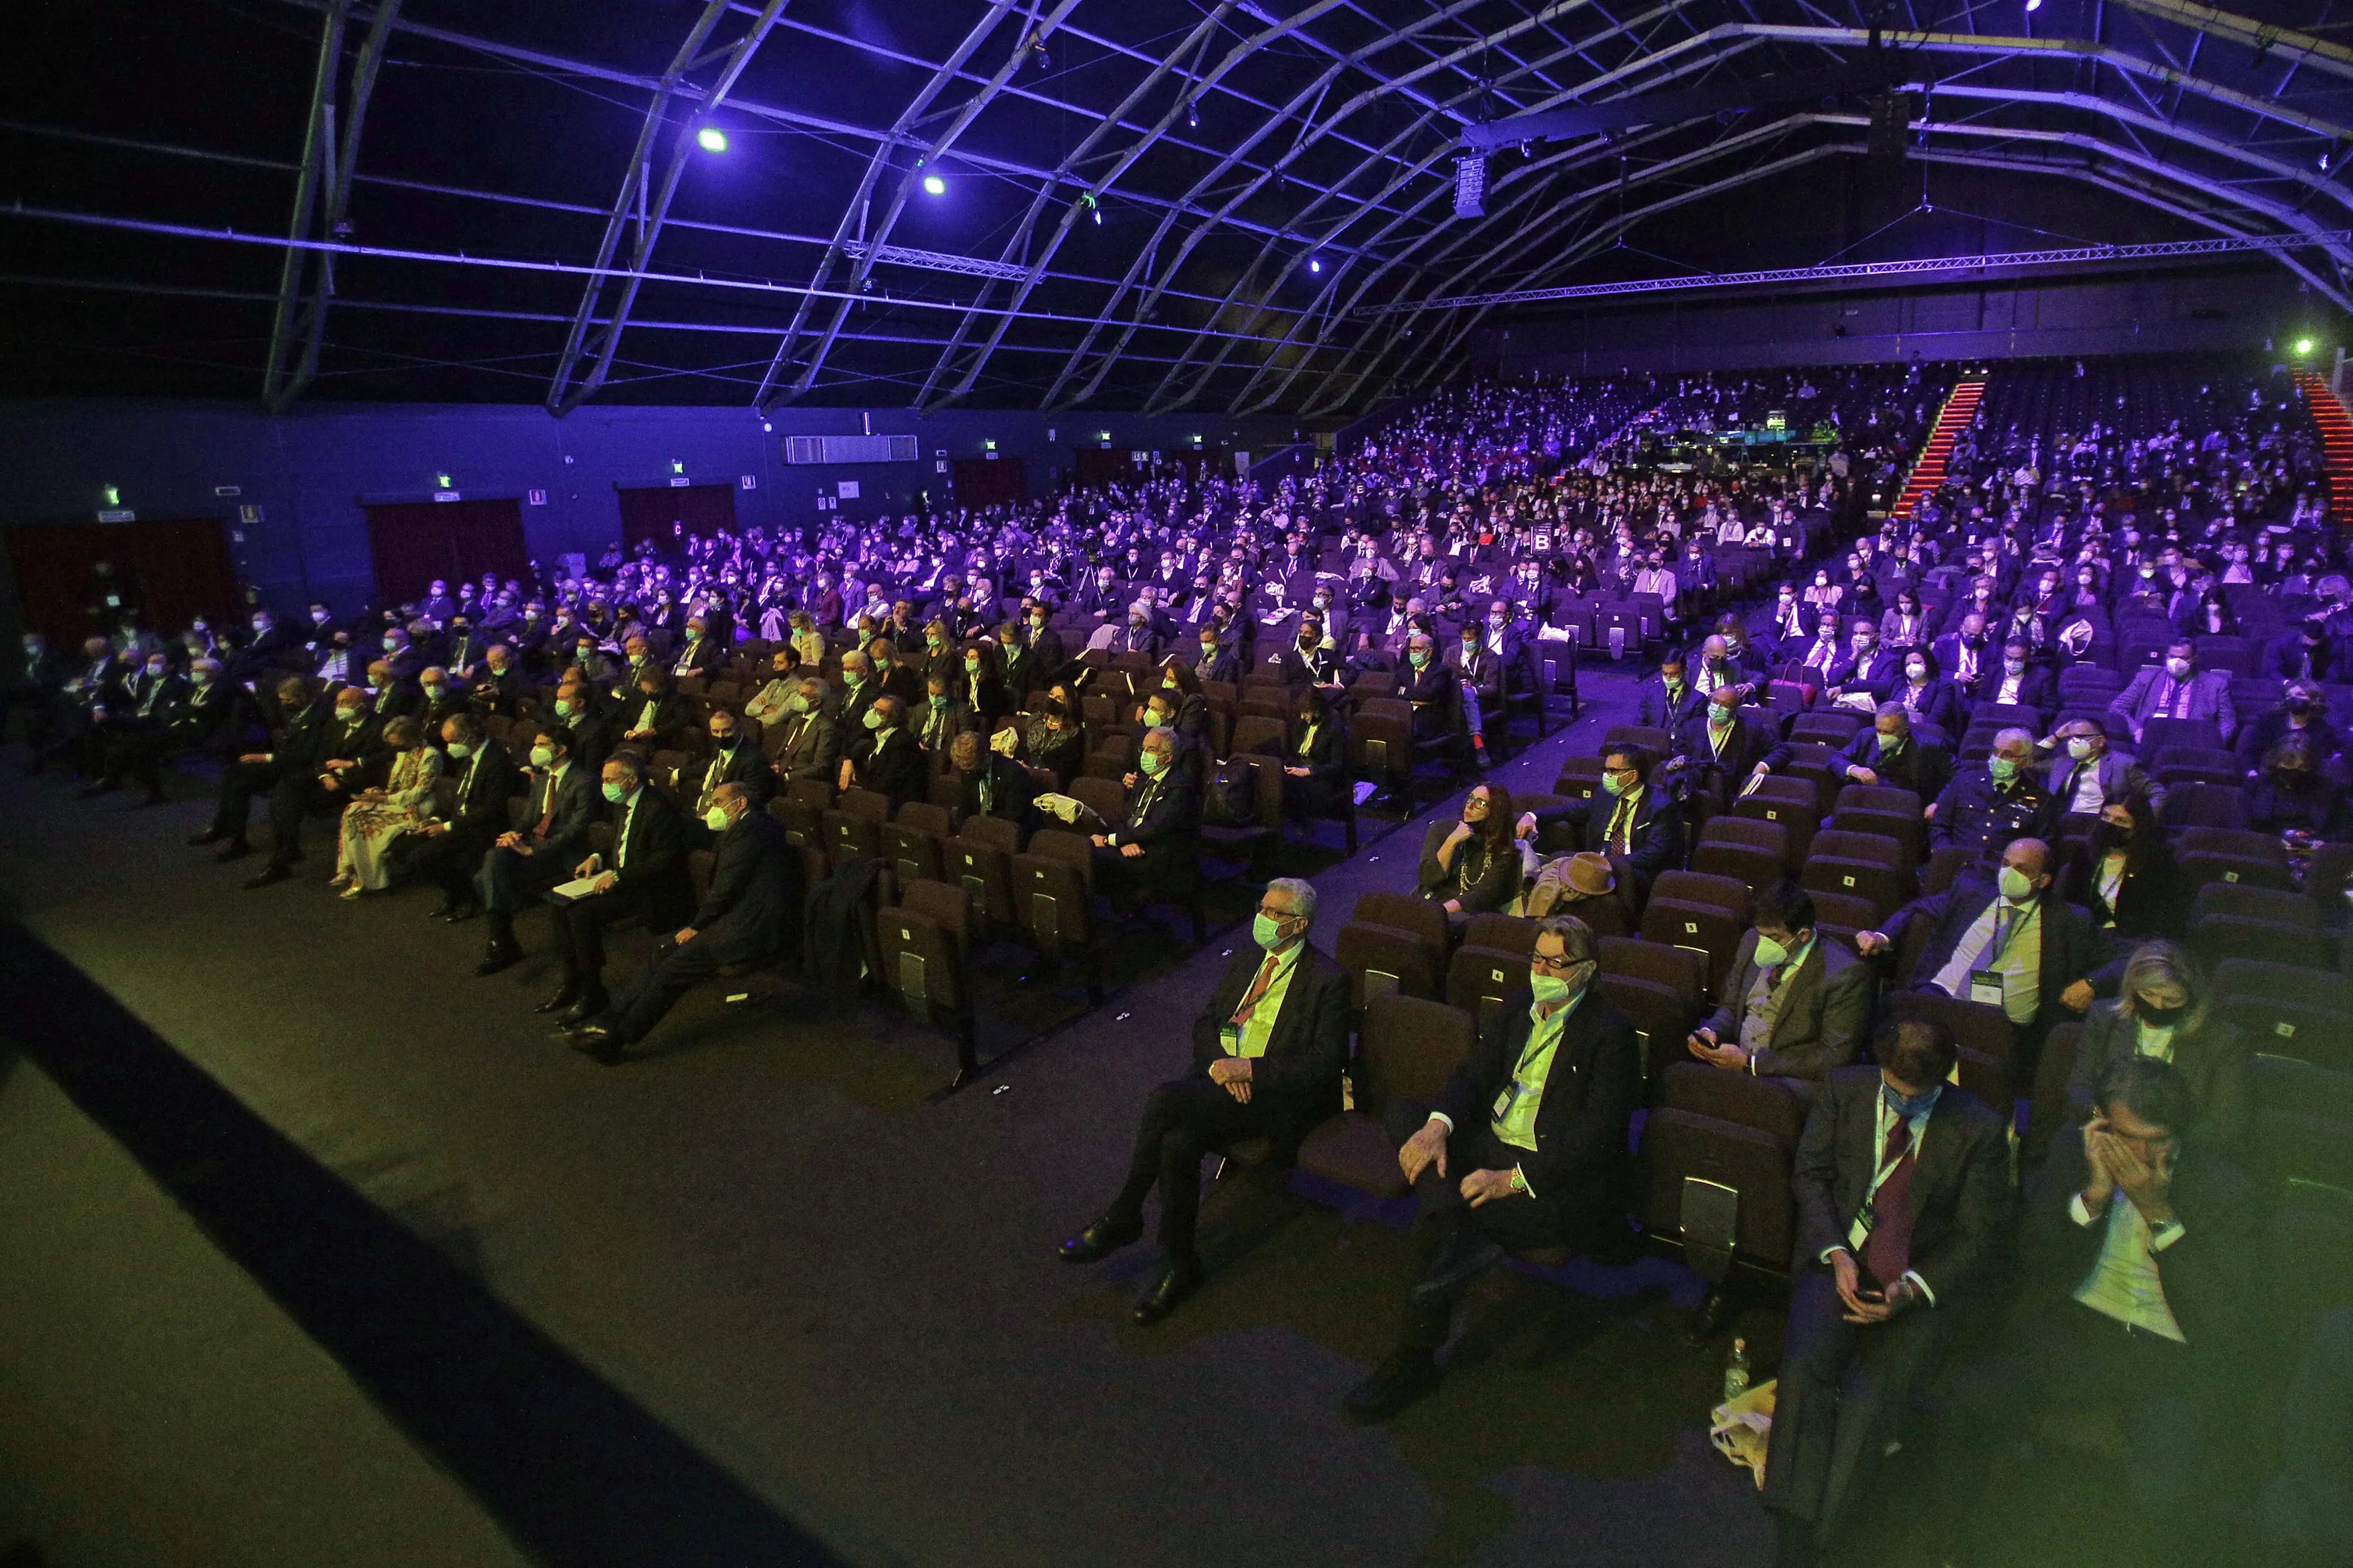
point(1936, 452)
point(2336, 441)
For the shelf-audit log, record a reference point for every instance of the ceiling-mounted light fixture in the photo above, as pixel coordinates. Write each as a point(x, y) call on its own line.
point(710, 139)
point(1193, 114)
point(934, 186)
point(1315, 264)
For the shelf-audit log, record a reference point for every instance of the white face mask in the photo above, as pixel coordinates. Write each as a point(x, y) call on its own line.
point(715, 819)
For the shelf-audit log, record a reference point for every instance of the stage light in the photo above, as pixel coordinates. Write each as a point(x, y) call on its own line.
point(1314, 265)
point(2304, 345)
point(2032, 6)
point(712, 139)
point(1193, 116)
point(1094, 210)
point(934, 186)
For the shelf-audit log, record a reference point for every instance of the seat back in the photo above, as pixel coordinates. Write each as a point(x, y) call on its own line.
point(867, 805)
point(2237, 842)
point(847, 832)
point(1977, 1026)
point(1257, 732)
point(1755, 832)
point(1755, 868)
point(2199, 805)
point(1107, 798)
point(999, 833)
point(1844, 844)
point(1407, 1048)
point(2215, 939)
point(2205, 868)
point(1907, 829)
point(2262, 901)
point(922, 961)
point(913, 853)
point(1728, 894)
point(1879, 797)
point(1767, 1104)
point(1407, 912)
point(1382, 746)
point(1381, 961)
point(1480, 978)
point(1797, 821)
point(1721, 1191)
point(1054, 889)
point(983, 870)
point(1502, 933)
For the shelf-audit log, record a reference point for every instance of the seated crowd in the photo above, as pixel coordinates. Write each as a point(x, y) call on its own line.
point(1980, 808)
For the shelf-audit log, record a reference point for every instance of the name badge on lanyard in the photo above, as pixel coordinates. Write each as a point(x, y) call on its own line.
point(1985, 985)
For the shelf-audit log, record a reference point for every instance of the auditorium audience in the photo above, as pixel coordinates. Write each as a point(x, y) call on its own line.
point(1793, 1006)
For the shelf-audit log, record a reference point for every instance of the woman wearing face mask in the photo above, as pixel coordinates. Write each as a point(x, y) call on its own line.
point(2291, 796)
point(2125, 875)
point(1473, 866)
point(378, 816)
point(2162, 1010)
point(1315, 763)
point(1188, 712)
point(1055, 747)
point(1928, 697)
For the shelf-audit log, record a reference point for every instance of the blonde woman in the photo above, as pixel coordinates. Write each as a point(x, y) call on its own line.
point(378, 816)
point(2160, 1010)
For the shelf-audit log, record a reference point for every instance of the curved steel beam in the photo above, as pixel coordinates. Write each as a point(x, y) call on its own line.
point(318, 156)
point(852, 226)
point(568, 389)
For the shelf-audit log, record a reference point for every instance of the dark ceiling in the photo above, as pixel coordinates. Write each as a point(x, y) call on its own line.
point(1153, 203)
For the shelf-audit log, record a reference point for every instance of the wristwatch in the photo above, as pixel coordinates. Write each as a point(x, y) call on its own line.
point(1519, 1182)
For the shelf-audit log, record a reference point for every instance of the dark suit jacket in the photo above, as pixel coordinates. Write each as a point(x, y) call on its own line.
point(652, 860)
point(809, 747)
point(2213, 1062)
point(1657, 831)
point(753, 906)
point(1308, 1047)
point(1960, 1196)
point(670, 713)
point(1924, 770)
point(1824, 1010)
point(1746, 745)
point(1659, 710)
point(1578, 1165)
point(1162, 817)
point(576, 804)
point(2210, 1277)
point(894, 767)
point(1011, 790)
point(2035, 689)
point(2072, 946)
point(746, 764)
point(1939, 703)
point(483, 783)
point(1496, 885)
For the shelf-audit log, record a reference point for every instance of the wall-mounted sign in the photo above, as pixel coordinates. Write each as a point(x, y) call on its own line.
point(228, 491)
point(446, 495)
point(846, 489)
point(536, 498)
point(679, 483)
point(748, 482)
point(248, 514)
point(117, 515)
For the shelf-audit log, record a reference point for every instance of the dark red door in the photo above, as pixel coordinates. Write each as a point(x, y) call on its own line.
point(661, 513)
point(170, 572)
point(413, 542)
point(984, 481)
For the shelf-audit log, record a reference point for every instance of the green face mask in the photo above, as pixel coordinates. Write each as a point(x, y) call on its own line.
point(1770, 955)
point(1888, 743)
point(543, 757)
point(1549, 988)
point(614, 794)
point(1265, 929)
point(939, 702)
point(2015, 884)
point(2002, 769)
point(1613, 784)
point(1151, 762)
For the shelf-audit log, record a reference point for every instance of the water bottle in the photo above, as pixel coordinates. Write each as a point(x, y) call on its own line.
point(1736, 1371)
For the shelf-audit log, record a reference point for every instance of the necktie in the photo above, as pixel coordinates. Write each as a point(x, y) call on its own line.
point(621, 839)
point(547, 818)
point(1621, 827)
point(1887, 1250)
point(2181, 700)
point(1992, 951)
point(1257, 992)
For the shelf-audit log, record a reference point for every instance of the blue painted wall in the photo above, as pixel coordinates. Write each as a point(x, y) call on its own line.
point(308, 471)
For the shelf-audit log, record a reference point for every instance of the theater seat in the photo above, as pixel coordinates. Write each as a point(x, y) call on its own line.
point(1381, 961)
point(1719, 1192)
point(1407, 1048)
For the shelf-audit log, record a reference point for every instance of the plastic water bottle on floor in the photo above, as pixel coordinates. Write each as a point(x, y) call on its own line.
point(1736, 1370)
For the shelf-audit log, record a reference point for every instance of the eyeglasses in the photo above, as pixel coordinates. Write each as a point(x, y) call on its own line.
point(1560, 965)
point(1274, 914)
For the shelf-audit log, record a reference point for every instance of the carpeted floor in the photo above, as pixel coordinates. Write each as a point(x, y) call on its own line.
point(768, 1237)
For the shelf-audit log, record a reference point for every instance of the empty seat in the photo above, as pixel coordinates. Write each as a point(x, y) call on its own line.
point(1773, 837)
point(1383, 960)
point(1879, 797)
point(1479, 979)
point(1251, 839)
point(914, 842)
point(1842, 844)
point(1507, 933)
point(924, 939)
point(2288, 1010)
point(2216, 939)
point(1408, 912)
point(2234, 841)
point(1053, 899)
point(1407, 1049)
point(1908, 830)
point(1756, 868)
point(2262, 901)
point(2205, 868)
point(1887, 888)
point(1798, 820)
point(1720, 1192)
point(2203, 805)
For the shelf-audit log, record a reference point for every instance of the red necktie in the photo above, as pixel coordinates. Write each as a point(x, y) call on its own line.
point(1257, 992)
point(1887, 1251)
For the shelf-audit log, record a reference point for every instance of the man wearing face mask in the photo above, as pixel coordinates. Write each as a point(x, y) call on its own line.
point(751, 910)
point(1793, 1006)
point(1868, 673)
point(2139, 1276)
point(643, 875)
point(891, 763)
point(2006, 940)
point(1961, 654)
point(2084, 775)
point(297, 738)
point(2177, 691)
point(1903, 1187)
point(445, 850)
point(2306, 653)
point(1721, 749)
point(1669, 701)
point(1151, 845)
point(805, 742)
point(1268, 1051)
point(1525, 1147)
point(1429, 689)
point(1986, 806)
point(1890, 754)
point(1636, 825)
point(1310, 660)
point(134, 723)
point(733, 759)
point(524, 862)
